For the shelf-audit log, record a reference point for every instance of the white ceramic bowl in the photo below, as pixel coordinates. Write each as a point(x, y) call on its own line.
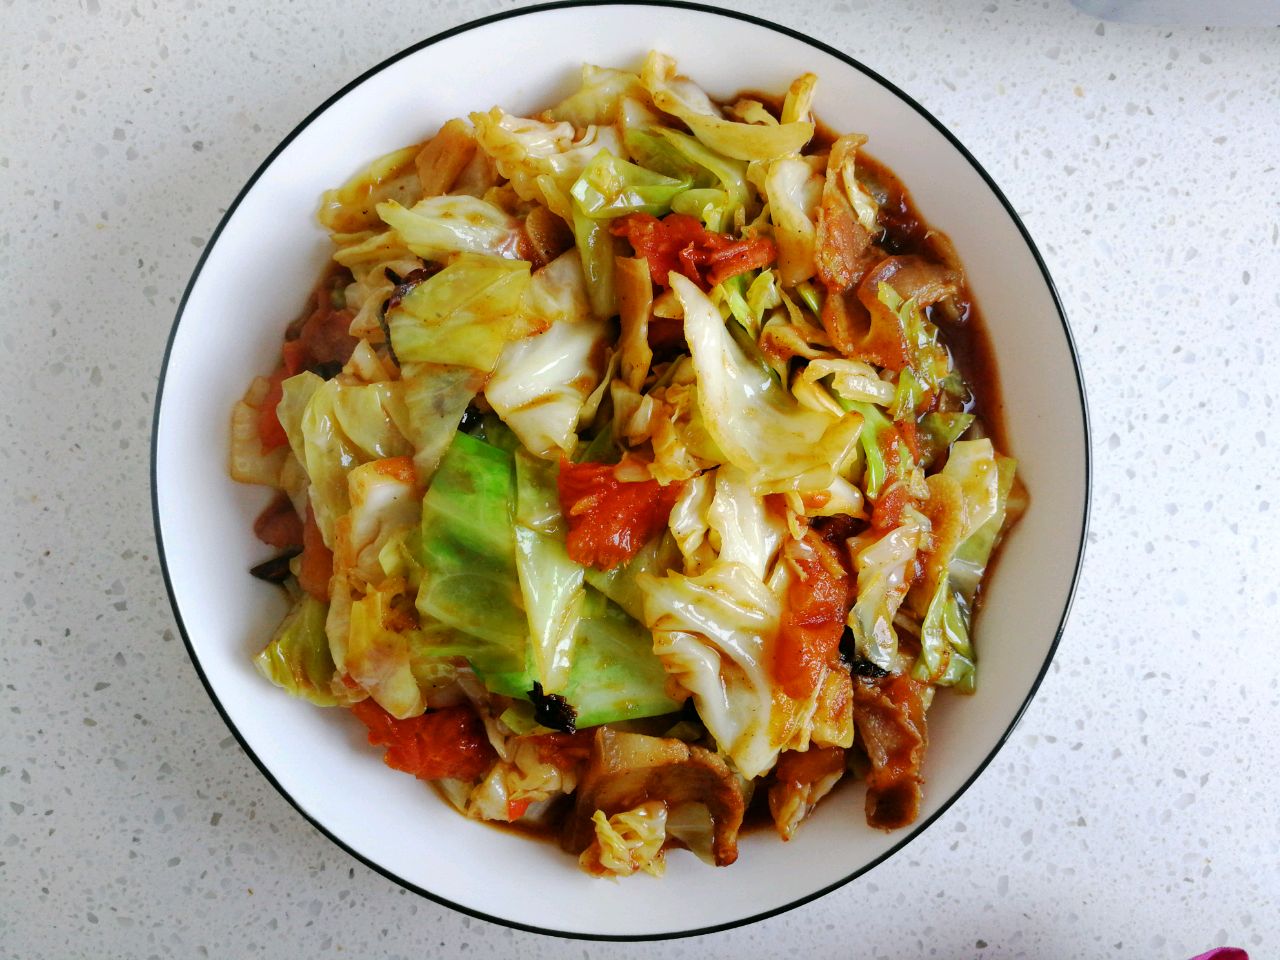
point(265, 255)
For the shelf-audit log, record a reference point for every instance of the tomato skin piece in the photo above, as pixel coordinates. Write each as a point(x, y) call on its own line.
point(808, 638)
point(270, 434)
point(660, 241)
point(610, 520)
point(738, 256)
point(443, 743)
point(517, 808)
point(315, 565)
point(888, 510)
point(681, 244)
point(279, 525)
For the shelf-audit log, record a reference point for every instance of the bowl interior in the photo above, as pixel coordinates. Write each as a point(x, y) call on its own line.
point(252, 282)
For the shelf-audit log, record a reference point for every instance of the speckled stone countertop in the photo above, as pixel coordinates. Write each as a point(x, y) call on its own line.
point(1134, 811)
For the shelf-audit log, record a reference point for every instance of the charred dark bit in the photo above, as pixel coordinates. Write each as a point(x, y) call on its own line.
point(552, 710)
point(406, 283)
point(326, 371)
point(471, 418)
point(275, 570)
point(386, 330)
point(859, 666)
point(836, 529)
point(862, 667)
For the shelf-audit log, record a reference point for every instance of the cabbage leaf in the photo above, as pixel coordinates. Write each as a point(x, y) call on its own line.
point(297, 658)
point(551, 583)
point(757, 424)
point(742, 141)
point(597, 100)
point(352, 207)
point(540, 383)
point(470, 583)
point(713, 633)
point(436, 395)
point(438, 227)
point(611, 187)
point(378, 658)
point(462, 315)
point(883, 569)
point(794, 190)
point(334, 427)
point(615, 675)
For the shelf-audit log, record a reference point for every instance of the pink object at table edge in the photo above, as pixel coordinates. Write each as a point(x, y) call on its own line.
point(1223, 953)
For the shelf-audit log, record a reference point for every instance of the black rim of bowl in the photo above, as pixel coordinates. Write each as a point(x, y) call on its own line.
point(991, 185)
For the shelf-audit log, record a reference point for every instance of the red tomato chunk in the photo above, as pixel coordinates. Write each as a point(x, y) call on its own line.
point(443, 743)
point(609, 519)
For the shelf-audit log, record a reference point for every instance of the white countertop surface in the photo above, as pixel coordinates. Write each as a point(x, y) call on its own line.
point(1134, 811)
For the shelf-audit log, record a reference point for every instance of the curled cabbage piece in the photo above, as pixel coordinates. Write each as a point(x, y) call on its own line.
point(333, 427)
point(540, 383)
point(598, 100)
point(794, 189)
point(712, 633)
point(385, 503)
point(297, 659)
point(541, 159)
point(438, 227)
point(377, 655)
point(352, 207)
point(611, 187)
point(884, 576)
point(683, 99)
point(464, 315)
point(757, 424)
point(627, 842)
point(524, 777)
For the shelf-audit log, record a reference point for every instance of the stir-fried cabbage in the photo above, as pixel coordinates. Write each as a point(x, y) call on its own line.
point(742, 141)
point(462, 315)
point(597, 101)
point(297, 658)
point(794, 188)
point(758, 426)
point(352, 207)
point(711, 633)
point(437, 227)
point(334, 427)
point(627, 842)
point(515, 783)
point(883, 580)
point(550, 582)
point(378, 656)
point(540, 383)
point(676, 338)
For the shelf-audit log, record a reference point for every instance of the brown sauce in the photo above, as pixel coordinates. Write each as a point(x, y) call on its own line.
point(906, 232)
point(962, 329)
